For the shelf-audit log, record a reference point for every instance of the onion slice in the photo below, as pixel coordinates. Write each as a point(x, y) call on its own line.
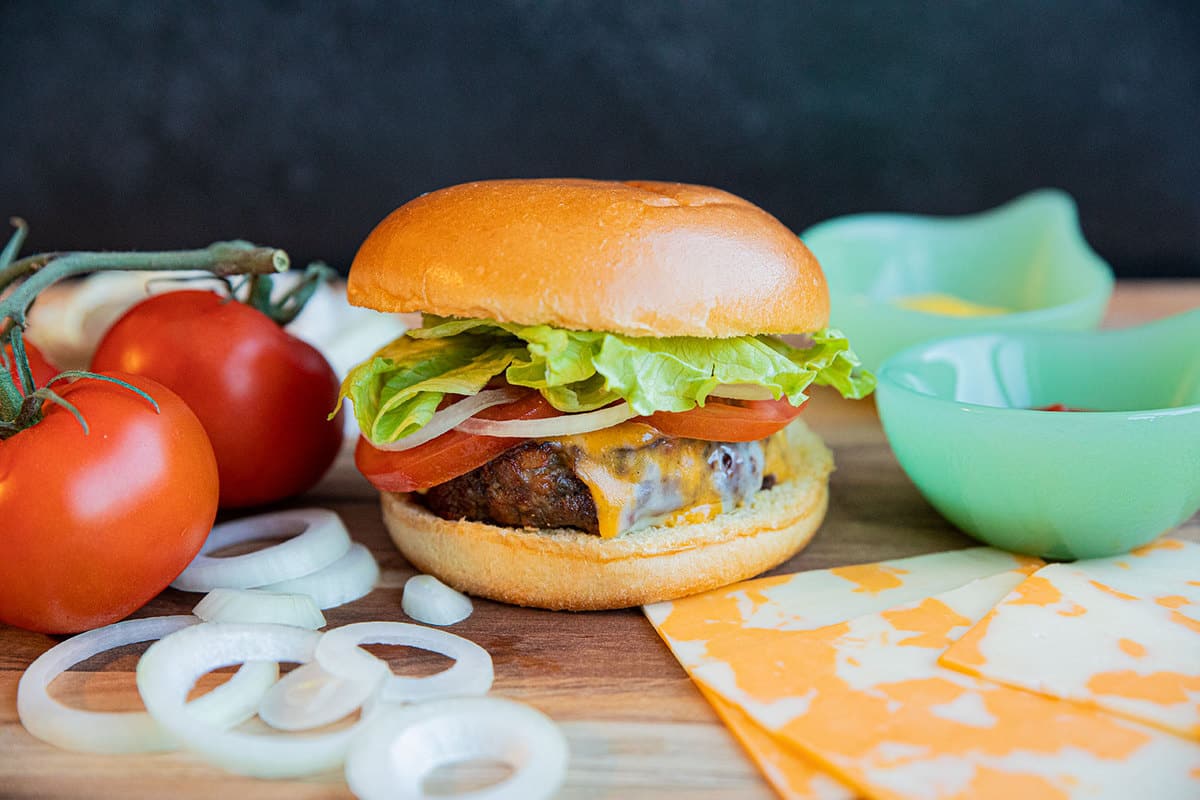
point(471, 674)
point(428, 600)
point(322, 540)
point(553, 427)
point(742, 391)
point(171, 667)
point(451, 417)
point(250, 605)
point(309, 697)
point(350, 577)
point(229, 704)
point(401, 747)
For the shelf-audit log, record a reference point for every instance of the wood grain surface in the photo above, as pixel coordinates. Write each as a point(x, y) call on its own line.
point(637, 727)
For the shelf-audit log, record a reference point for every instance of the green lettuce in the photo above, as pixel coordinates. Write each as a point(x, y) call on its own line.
point(397, 391)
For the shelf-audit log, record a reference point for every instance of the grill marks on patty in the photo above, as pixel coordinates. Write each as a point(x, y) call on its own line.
point(536, 484)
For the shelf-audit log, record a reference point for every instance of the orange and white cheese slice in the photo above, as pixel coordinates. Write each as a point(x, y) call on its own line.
point(807, 600)
point(1166, 571)
point(790, 773)
point(1064, 634)
point(867, 699)
point(803, 601)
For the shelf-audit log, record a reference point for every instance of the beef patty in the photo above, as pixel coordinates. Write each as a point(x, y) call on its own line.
point(536, 484)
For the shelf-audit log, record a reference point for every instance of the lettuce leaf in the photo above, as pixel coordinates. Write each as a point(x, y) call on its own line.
point(397, 390)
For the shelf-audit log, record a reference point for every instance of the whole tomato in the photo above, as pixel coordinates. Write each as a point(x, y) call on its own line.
point(262, 394)
point(41, 369)
point(93, 525)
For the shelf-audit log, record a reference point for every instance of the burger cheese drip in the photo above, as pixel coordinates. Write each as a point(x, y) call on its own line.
point(613, 481)
point(638, 477)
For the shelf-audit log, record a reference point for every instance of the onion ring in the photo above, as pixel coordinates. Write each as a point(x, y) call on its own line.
point(400, 747)
point(471, 674)
point(742, 391)
point(127, 731)
point(350, 577)
point(552, 427)
point(171, 667)
point(309, 697)
point(450, 418)
point(322, 540)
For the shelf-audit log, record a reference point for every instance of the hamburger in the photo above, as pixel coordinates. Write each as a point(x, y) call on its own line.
point(597, 410)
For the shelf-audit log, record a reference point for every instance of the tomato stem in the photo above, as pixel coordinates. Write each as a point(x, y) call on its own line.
point(95, 376)
point(14, 243)
point(19, 409)
point(292, 302)
point(21, 360)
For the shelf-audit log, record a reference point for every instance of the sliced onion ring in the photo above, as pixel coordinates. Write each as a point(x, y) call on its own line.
point(322, 540)
point(428, 600)
point(229, 704)
point(309, 697)
point(451, 417)
point(400, 747)
point(172, 666)
point(350, 577)
point(553, 427)
point(471, 674)
point(251, 605)
point(742, 391)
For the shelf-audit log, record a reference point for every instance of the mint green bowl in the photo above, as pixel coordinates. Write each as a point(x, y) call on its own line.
point(1052, 484)
point(1028, 256)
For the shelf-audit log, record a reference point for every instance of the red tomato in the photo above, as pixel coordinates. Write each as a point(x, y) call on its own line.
point(262, 394)
point(727, 421)
point(449, 455)
point(42, 369)
point(95, 525)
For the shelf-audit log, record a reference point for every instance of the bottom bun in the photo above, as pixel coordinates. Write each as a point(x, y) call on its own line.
point(566, 569)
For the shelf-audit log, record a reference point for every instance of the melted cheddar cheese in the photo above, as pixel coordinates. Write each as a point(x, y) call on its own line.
point(638, 477)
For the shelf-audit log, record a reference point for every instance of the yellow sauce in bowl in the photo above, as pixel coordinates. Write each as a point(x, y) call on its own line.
point(948, 305)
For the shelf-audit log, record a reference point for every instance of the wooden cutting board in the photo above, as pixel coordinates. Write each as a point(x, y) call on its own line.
point(637, 727)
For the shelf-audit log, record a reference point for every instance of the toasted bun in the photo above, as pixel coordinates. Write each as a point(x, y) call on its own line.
point(567, 569)
point(639, 258)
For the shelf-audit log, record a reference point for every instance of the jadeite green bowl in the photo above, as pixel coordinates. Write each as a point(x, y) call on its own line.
point(1028, 256)
point(1053, 484)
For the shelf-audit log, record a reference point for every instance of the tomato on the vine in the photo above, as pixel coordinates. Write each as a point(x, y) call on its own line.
point(727, 421)
point(41, 369)
point(262, 394)
point(96, 524)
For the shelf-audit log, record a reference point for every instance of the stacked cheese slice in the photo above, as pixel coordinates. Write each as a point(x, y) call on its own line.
point(945, 676)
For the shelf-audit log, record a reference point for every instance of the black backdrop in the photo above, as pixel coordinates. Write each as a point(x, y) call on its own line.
point(301, 124)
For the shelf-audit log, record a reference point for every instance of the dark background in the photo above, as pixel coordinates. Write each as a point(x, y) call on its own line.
point(301, 124)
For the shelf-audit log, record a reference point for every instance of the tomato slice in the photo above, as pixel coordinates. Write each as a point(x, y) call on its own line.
point(727, 420)
point(452, 454)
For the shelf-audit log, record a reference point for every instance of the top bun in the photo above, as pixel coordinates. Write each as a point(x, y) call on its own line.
point(640, 258)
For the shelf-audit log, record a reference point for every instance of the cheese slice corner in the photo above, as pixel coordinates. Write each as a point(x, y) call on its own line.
point(1065, 634)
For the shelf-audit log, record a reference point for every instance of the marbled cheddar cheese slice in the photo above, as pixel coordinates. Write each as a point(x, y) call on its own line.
point(1065, 634)
point(803, 601)
point(867, 699)
point(1166, 571)
point(790, 773)
point(806, 600)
